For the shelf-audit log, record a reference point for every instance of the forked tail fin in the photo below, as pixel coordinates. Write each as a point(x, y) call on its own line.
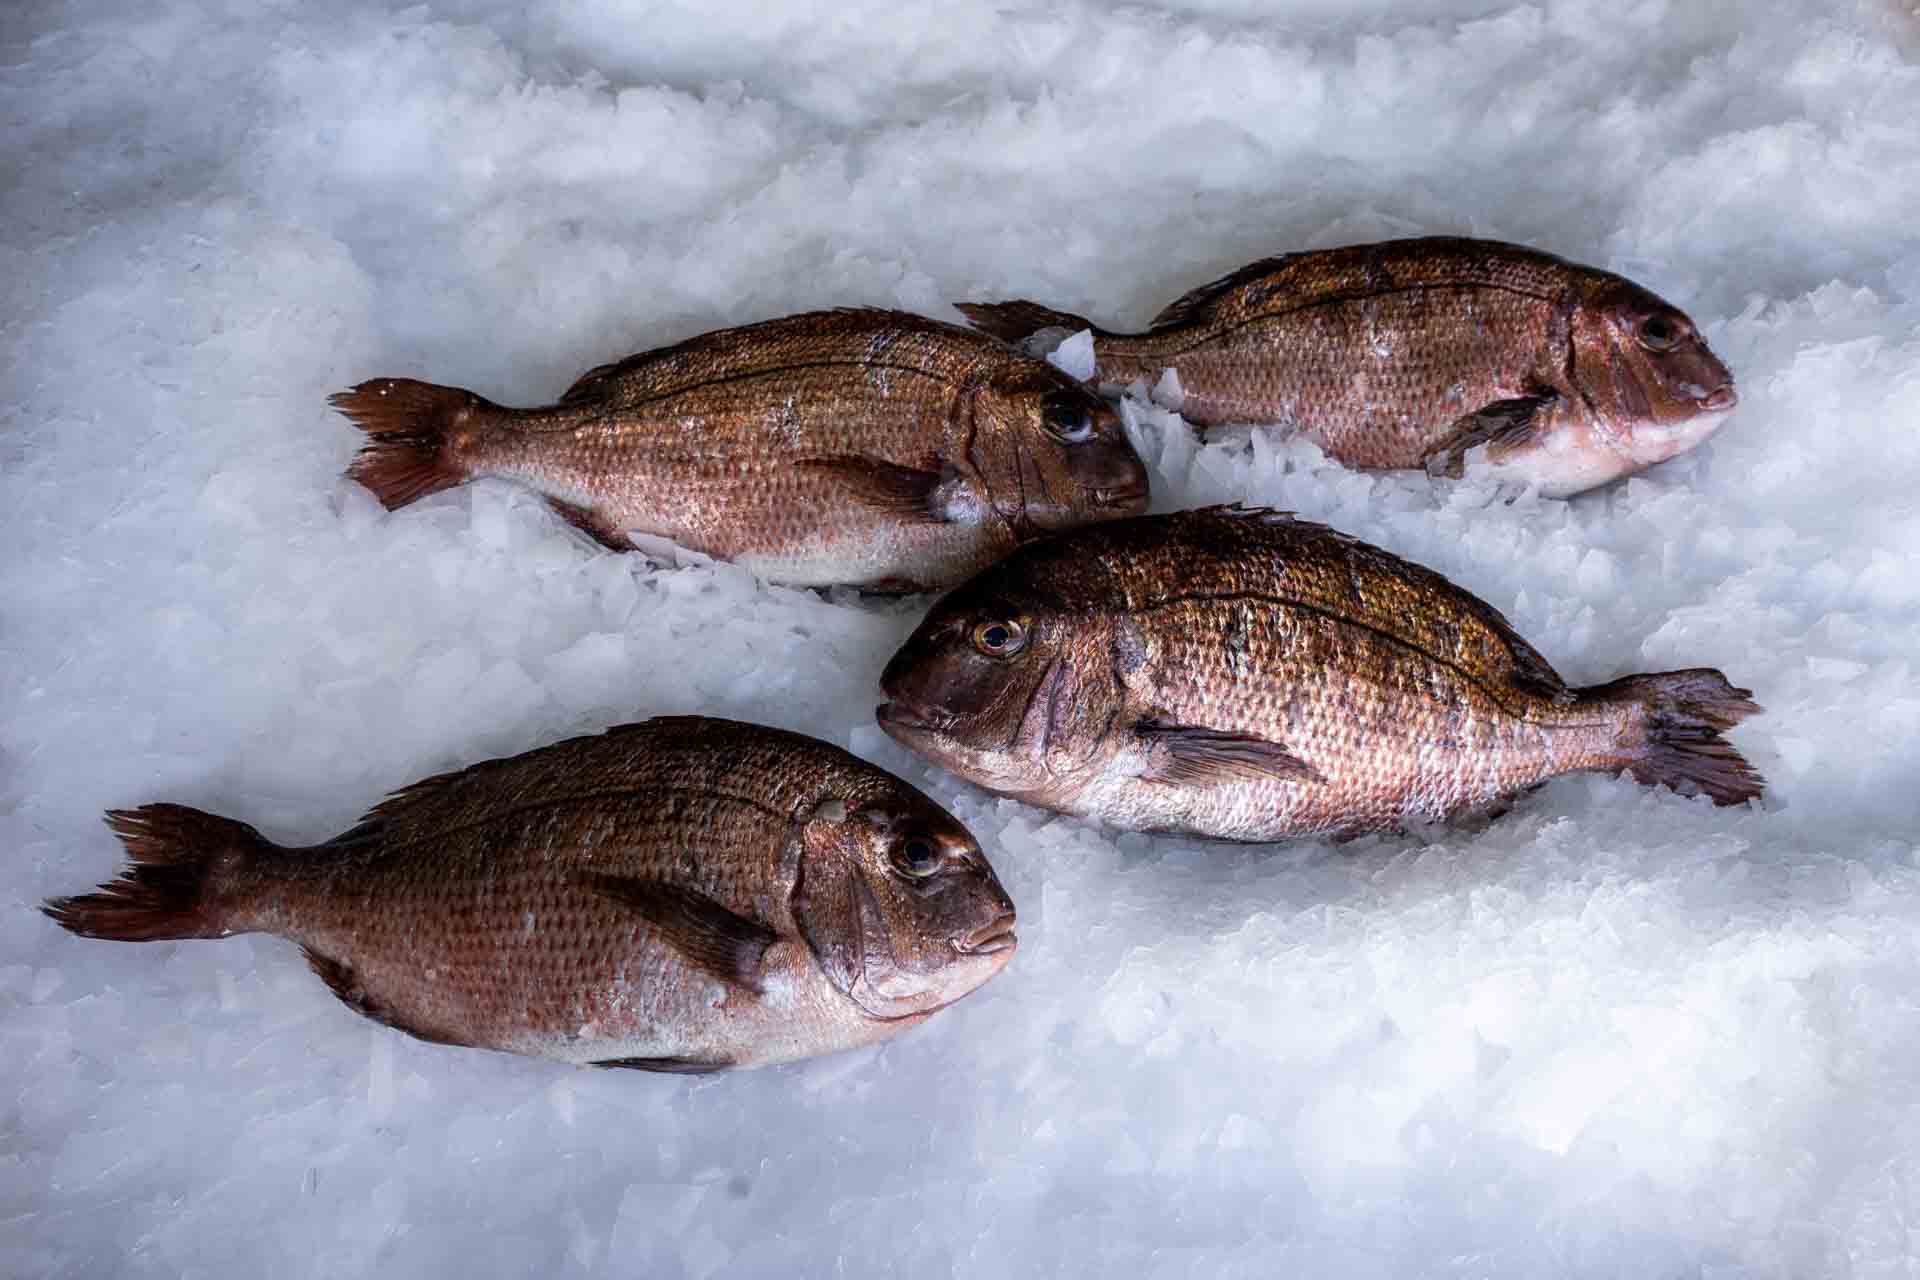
point(172, 889)
point(1686, 711)
point(417, 430)
point(1015, 322)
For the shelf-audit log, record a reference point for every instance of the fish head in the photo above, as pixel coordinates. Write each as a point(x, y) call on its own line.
point(1051, 453)
point(898, 904)
point(1008, 687)
point(1653, 387)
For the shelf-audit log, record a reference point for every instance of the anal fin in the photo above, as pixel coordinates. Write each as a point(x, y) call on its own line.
point(1192, 756)
point(593, 524)
point(906, 493)
point(722, 942)
point(1502, 426)
point(673, 1066)
point(344, 981)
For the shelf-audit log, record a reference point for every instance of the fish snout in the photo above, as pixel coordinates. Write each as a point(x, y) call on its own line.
point(994, 936)
point(1721, 399)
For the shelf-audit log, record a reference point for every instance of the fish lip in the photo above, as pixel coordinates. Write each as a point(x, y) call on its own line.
point(1721, 400)
point(989, 939)
point(892, 715)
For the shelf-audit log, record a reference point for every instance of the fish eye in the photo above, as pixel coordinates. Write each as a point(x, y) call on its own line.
point(916, 857)
point(1068, 420)
point(1000, 639)
point(1657, 333)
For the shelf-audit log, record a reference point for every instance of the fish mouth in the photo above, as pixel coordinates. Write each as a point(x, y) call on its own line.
point(892, 715)
point(1127, 497)
point(1720, 401)
point(989, 939)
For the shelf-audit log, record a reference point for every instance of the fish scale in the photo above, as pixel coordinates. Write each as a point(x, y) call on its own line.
point(683, 894)
point(1418, 353)
point(862, 447)
point(1243, 674)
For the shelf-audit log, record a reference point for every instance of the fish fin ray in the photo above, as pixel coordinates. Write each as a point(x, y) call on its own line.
point(1686, 713)
point(885, 487)
point(1015, 322)
point(1197, 304)
point(177, 858)
point(724, 943)
point(412, 450)
point(1501, 426)
point(344, 981)
point(671, 1065)
point(592, 523)
point(1189, 755)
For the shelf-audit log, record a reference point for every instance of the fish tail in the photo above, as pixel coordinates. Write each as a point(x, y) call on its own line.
point(181, 860)
point(419, 435)
point(1017, 321)
point(1677, 741)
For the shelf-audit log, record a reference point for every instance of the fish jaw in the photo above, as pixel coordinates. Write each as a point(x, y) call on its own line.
point(1570, 457)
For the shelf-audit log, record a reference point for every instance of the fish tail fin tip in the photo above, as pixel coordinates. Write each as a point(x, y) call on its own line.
point(1017, 321)
point(1681, 746)
point(168, 890)
point(417, 436)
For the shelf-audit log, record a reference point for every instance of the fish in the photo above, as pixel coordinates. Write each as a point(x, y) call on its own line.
point(1427, 354)
point(1242, 674)
point(852, 447)
point(684, 894)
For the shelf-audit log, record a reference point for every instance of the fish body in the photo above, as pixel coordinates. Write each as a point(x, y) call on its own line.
point(1246, 675)
point(1426, 353)
point(871, 448)
point(685, 894)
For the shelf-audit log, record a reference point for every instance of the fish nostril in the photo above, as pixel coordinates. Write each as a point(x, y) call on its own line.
point(1724, 398)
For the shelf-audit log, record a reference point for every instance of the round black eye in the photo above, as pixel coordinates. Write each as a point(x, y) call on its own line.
point(918, 857)
point(1069, 420)
point(1657, 333)
point(1000, 639)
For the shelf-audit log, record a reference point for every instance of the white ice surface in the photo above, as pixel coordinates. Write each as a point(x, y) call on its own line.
point(1615, 1034)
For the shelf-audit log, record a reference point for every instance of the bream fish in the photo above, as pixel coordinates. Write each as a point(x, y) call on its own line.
point(1427, 353)
point(1242, 674)
point(685, 894)
point(870, 448)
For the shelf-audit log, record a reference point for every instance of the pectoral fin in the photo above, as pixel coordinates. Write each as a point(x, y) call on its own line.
point(1190, 756)
point(907, 493)
point(1503, 426)
point(726, 945)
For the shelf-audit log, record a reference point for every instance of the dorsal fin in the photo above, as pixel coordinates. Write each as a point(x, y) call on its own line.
point(1196, 305)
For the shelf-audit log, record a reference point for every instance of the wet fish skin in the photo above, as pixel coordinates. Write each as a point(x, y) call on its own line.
point(1422, 353)
point(1245, 675)
point(684, 894)
point(861, 447)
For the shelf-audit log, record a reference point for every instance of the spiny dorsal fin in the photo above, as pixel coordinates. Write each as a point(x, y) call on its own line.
point(723, 943)
point(1196, 305)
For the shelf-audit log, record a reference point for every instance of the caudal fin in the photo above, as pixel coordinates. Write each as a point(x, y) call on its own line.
point(1682, 748)
point(416, 429)
point(1017, 321)
point(168, 891)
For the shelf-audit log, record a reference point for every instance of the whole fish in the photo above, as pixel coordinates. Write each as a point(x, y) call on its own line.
point(684, 894)
point(1242, 674)
point(1425, 353)
point(872, 448)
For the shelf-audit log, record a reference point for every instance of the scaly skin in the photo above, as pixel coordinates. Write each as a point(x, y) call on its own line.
point(470, 908)
point(1379, 352)
point(750, 444)
point(1390, 695)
